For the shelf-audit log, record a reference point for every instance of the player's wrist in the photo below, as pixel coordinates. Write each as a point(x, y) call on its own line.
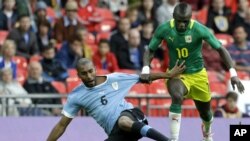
point(145, 70)
point(232, 72)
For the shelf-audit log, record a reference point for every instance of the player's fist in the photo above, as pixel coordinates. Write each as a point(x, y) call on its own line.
point(236, 81)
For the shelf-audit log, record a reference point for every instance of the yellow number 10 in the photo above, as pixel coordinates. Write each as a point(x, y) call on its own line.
point(182, 53)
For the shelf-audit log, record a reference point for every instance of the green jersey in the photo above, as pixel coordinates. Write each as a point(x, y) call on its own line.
point(184, 46)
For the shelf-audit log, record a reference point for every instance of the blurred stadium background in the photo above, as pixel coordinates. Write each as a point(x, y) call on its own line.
point(99, 19)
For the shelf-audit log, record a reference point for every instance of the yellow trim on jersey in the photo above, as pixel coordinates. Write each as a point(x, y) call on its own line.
point(191, 24)
point(172, 23)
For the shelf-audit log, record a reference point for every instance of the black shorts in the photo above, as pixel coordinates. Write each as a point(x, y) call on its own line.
point(119, 135)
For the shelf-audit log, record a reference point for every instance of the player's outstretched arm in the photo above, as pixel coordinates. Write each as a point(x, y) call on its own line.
point(175, 71)
point(229, 64)
point(59, 129)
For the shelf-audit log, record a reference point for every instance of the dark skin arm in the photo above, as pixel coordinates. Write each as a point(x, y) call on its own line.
point(59, 129)
point(229, 64)
point(148, 56)
point(175, 71)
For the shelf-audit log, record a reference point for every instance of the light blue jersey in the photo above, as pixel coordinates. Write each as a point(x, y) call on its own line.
point(103, 102)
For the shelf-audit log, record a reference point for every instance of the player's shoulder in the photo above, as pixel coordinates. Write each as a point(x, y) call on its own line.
point(119, 75)
point(78, 89)
point(197, 25)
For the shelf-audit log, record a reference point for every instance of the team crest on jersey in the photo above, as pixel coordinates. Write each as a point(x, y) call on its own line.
point(115, 85)
point(188, 39)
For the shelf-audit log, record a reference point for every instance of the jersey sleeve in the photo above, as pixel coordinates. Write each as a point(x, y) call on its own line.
point(130, 78)
point(71, 108)
point(210, 38)
point(158, 37)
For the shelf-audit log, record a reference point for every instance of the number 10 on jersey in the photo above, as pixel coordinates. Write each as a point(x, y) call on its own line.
point(182, 53)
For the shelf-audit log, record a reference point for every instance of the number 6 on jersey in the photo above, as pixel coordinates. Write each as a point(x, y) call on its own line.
point(104, 101)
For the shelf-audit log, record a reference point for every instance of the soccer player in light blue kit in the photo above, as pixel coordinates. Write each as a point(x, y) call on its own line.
point(103, 98)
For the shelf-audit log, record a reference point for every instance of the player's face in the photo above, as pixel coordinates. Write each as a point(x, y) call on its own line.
point(181, 23)
point(87, 74)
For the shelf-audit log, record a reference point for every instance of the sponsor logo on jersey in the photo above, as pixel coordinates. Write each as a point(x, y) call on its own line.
point(188, 39)
point(171, 38)
point(115, 85)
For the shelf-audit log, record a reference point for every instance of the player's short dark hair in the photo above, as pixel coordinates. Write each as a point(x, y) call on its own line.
point(103, 41)
point(182, 8)
point(82, 61)
point(232, 95)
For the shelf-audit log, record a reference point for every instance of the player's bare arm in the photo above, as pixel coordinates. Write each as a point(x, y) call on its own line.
point(59, 129)
point(175, 71)
point(229, 64)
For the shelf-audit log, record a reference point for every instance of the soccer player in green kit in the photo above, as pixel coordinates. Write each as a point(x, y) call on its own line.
point(184, 38)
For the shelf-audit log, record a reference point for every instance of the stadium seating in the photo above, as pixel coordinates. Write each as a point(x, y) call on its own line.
point(102, 35)
point(225, 39)
point(201, 15)
point(21, 76)
point(135, 90)
point(218, 88)
point(102, 71)
point(158, 87)
point(156, 64)
point(188, 108)
point(61, 88)
point(105, 26)
point(3, 35)
point(127, 71)
point(71, 83)
point(90, 39)
point(72, 72)
point(213, 76)
point(35, 58)
point(21, 62)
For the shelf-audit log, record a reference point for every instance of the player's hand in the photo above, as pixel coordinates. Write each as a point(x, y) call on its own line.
point(177, 69)
point(236, 81)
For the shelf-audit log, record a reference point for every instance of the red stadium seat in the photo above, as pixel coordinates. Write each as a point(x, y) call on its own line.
point(105, 26)
point(61, 88)
point(72, 72)
point(102, 72)
point(3, 35)
point(136, 90)
point(127, 71)
point(71, 83)
point(218, 88)
point(156, 64)
point(103, 35)
point(105, 14)
point(21, 62)
point(21, 76)
point(213, 76)
point(189, 109)
point(201, 15)
point(35, 58)
point(139, 89)
point(157, 88)
point(90, 39)
point(225, 39)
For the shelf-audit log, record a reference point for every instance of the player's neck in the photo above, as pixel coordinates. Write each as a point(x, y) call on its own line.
point(100, 79)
